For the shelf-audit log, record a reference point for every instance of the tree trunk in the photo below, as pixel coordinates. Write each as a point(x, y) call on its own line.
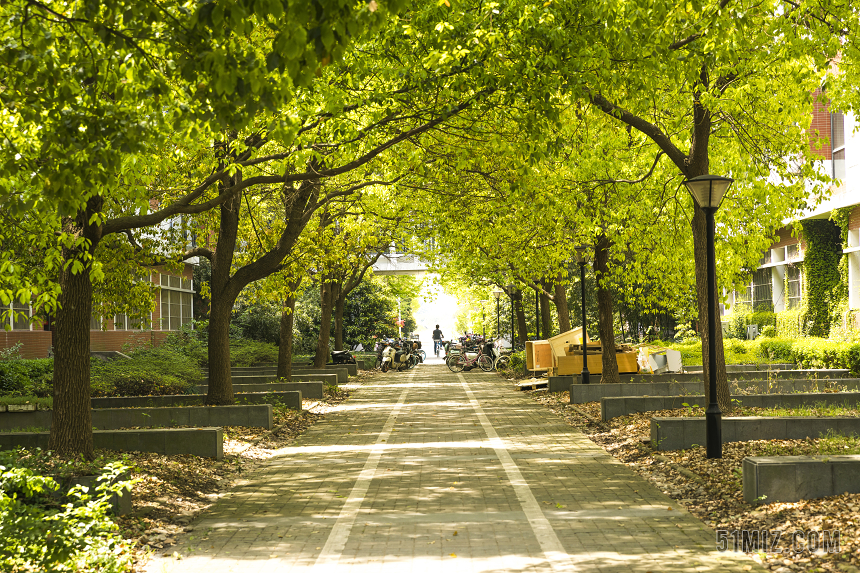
point(561, 308)
point(321, 356)
point(71, 425)
point(700, 250)
point(339, 297)
point(285, 349)
point(545, 313)
point(521, 316)
point(605, 313)
point(220, 377)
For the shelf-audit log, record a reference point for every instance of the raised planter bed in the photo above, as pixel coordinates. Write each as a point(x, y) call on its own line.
point(309, 389)
point(745, 375)
point(622, 406)
point(582, 393)
point(684, 433)
point(793, 478)
point(20, 407)
point(292, 399)
point(203, 442)
point(255, 416)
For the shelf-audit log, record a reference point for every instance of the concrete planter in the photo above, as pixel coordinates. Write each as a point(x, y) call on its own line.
point(21, 407)
point(793, 478)
point(684, 433)
point(120, 502)
point(291, 399)
point(203, 442)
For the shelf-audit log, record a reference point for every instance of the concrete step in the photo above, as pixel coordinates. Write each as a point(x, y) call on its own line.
point(291, 399)
point(793, 478)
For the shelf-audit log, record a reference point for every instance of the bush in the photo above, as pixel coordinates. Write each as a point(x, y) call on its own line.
point(814, 353)
point(191, 341)
point(41, 535)
point(20, 377)
point(247, 352)
point(768, 331)
point(149, 372)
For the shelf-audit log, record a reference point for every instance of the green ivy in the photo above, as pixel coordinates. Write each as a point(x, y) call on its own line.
point(821, 274)
point(788, 322)
point(742, 316)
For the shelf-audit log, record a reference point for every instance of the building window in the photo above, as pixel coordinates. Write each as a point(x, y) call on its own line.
point(837, 144)
point(762, 289)
point(766, 259)
point(792, 278)
point(792, 252)
point(20, 316)
point(176, 305)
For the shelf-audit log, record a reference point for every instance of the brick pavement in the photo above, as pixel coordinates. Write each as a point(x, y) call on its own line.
point(432, 471)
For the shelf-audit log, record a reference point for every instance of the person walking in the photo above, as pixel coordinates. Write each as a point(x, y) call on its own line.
point(437, 340)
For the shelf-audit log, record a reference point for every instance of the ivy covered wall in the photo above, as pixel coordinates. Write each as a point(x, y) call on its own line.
point(822, 276)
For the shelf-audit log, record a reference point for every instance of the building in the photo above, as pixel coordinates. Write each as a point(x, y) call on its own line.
point(778, 282)
point(174, 307)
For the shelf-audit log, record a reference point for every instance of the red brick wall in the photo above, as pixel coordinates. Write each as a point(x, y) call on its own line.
point(854, 218)
point(785, 238)
point(37, 342)
point(820, 127)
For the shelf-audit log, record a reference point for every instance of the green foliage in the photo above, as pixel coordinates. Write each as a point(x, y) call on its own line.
point(149, 372)
point(788, 322)
point(813, 353)
point(822, 275)
point(26, 377)
point(260, 321)
point(247, 352)
point(190, 340)
point(743, 316)
point(768, 331)
point(37, 535)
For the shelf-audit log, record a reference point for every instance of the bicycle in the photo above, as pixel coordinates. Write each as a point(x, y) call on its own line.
point(461, 361)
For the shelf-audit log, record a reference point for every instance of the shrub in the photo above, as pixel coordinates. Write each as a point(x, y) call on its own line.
point(247, 352)
point(191, 341)
point(768, 331)
point(814, 353)
point(149, 372)
point(41, 535)
point(20, 377)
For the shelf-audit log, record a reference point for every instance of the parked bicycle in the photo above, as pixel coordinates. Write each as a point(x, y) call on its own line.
point(461, 361)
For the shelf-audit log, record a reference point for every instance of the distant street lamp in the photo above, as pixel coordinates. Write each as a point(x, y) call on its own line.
point(497, 293)
point(580, 254)
point(708, 192)
point(510, 290)
point(483, 323)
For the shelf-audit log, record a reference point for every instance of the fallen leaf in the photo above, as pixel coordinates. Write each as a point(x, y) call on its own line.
point(453, 554)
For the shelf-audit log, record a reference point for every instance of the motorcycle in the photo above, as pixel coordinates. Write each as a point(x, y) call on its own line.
point(342, 357)
point(393, 356)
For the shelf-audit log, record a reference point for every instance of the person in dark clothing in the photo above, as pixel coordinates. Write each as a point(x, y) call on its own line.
point(437, 340)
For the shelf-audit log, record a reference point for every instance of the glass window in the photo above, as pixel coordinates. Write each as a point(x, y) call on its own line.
point(792, 252)
point(792, 277)
point(837, 130)
point(839, 164)
point(119, 322)
point(95, 322)
point(186, 284)
point(762, 289)
point(20, 316)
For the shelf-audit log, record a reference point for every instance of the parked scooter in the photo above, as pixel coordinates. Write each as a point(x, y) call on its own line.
point(342, 357)
point(395, 357)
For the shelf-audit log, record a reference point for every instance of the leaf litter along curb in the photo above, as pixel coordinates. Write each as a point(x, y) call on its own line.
point(717, 496)
point(173, 490)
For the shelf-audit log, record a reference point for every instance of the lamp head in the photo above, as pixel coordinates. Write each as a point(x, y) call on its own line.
point(708, 190)
point(581, 252)
point(497, 292)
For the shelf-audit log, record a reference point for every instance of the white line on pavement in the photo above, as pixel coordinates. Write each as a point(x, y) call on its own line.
point(331, 551)
point(555, 554)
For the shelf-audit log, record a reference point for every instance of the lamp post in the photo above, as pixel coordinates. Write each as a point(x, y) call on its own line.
point(708, 192)
point(511, 296)
point(497, 293)
point(483, 322)
point(579, 253)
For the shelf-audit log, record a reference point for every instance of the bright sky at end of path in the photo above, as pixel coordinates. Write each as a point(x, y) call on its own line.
point(435, 307)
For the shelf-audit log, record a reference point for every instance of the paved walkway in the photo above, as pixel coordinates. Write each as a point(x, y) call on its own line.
point(433, 471)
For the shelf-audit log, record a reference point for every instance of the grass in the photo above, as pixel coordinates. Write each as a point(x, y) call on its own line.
point(24, 430)
point(830, 444)
point(41, 403)
point(818, 410)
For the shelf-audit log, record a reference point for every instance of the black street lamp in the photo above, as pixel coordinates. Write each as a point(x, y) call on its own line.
point(511, 296)
point(708, 192)
point(580, 254)
point(497, 293)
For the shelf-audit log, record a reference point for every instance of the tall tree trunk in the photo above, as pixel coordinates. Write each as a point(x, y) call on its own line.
point(326, 301)
point(700, 251)
point(545, 313)
point(285, 349)
point(220, 377)
point(221, 305)
point(71, 425)
point(604, 311)
point(560, 300)
point(522, 328)
point(339, 297)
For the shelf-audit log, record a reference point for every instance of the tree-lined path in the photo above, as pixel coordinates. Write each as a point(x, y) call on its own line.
point(432, 471)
